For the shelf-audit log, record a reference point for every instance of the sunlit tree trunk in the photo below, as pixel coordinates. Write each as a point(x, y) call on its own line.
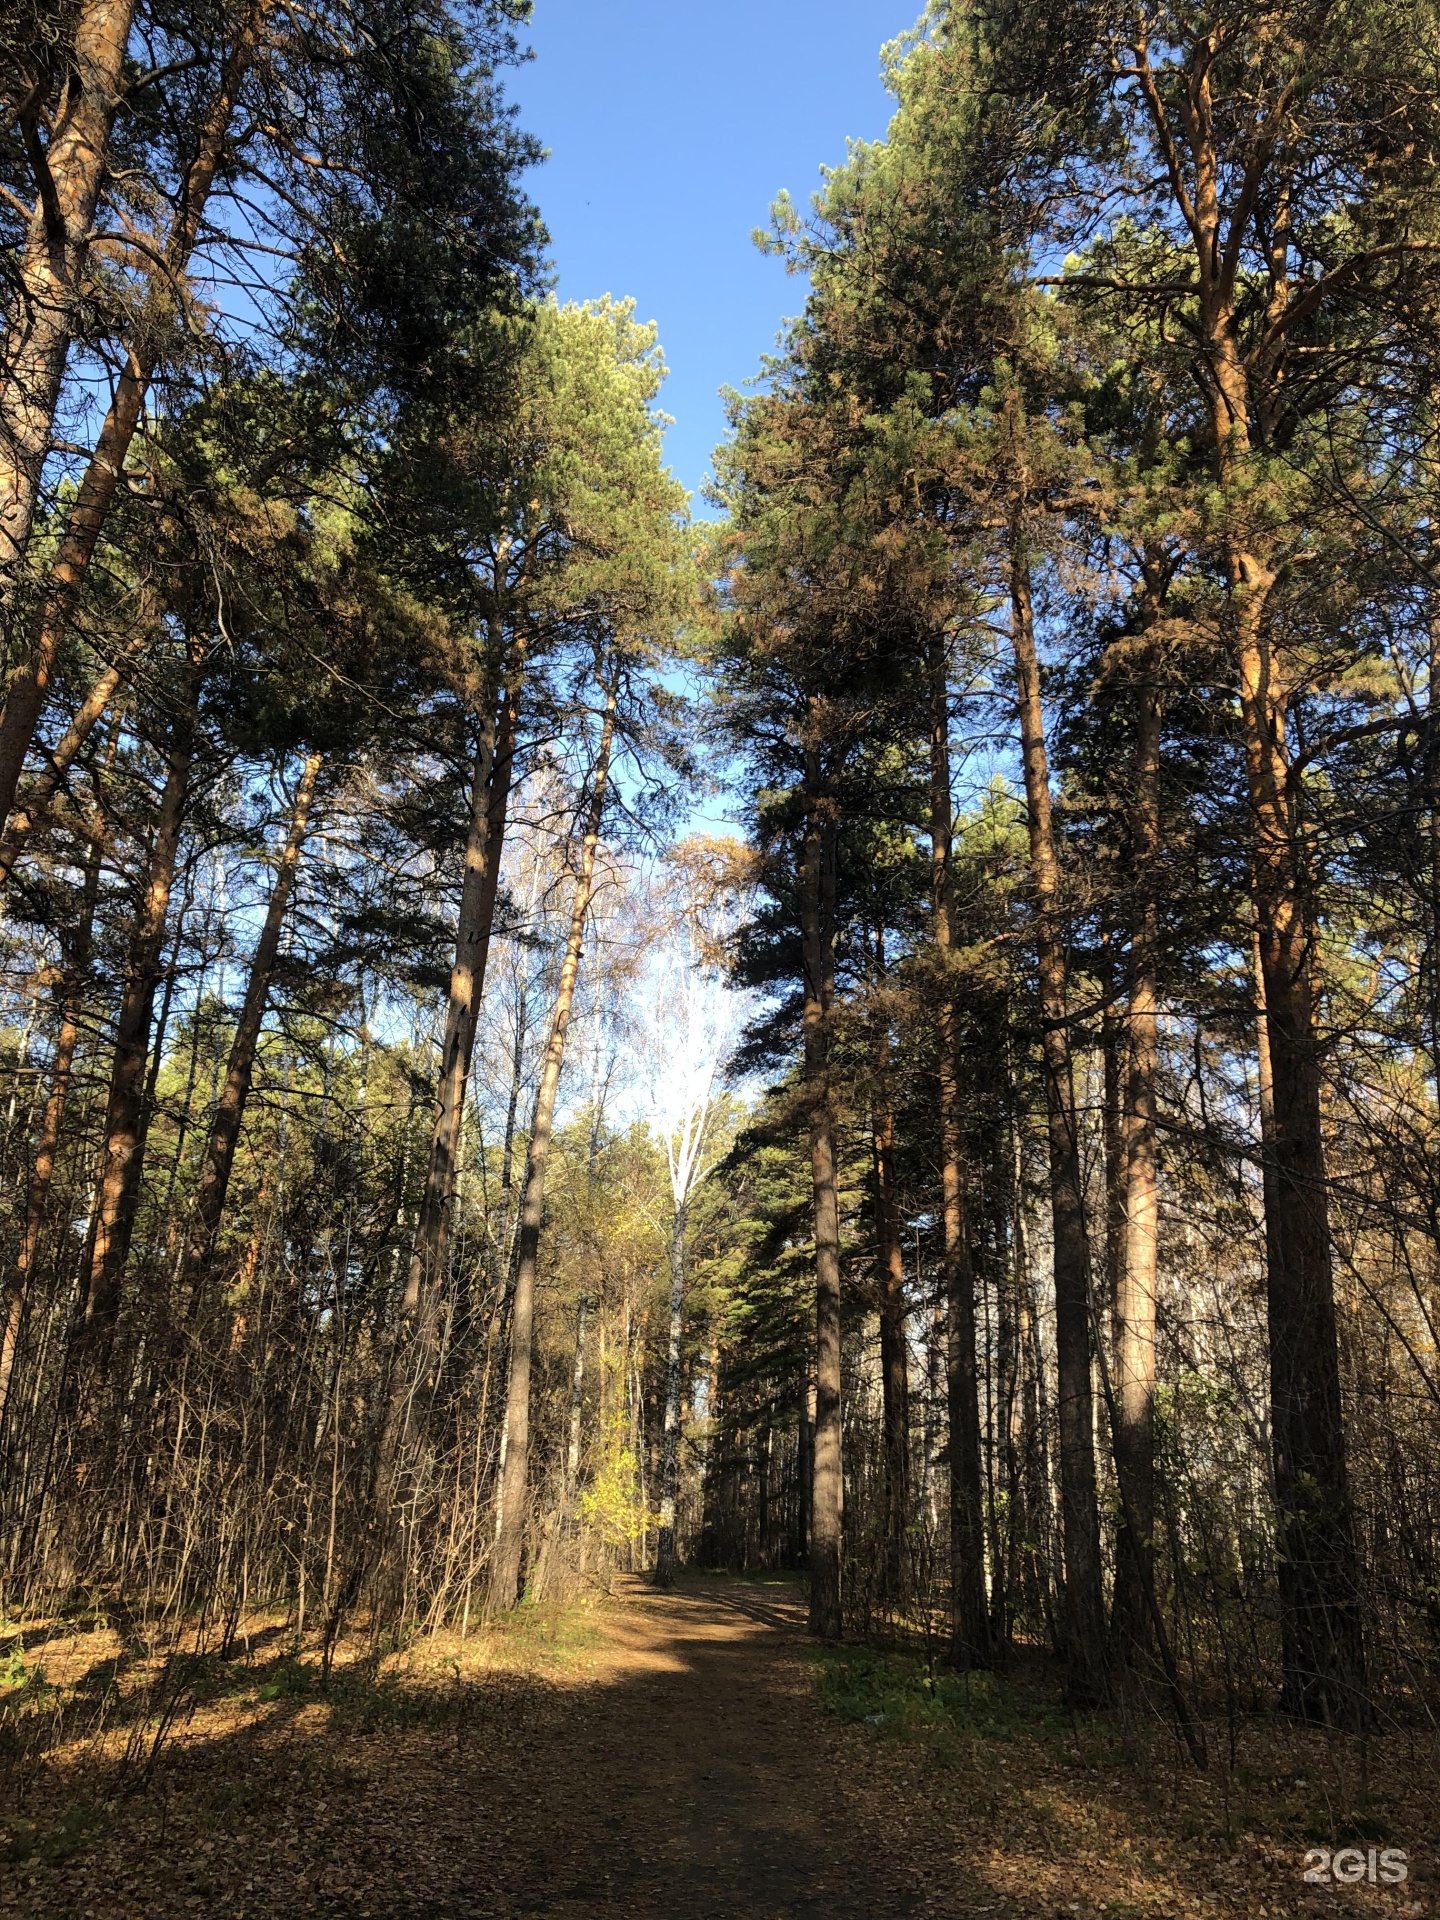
point(577, 1391)
point(90, 508)
point(1319, 1573)
point(934, 1394)
point(969, 1611)
point(817, 930)
point(1112, 1050)
point(47, 290)
point(515, 1478)
point(890, 1270)
point(126, 1117)
point(1135, 1281)
point(1080, 1519)
point(230, 1108)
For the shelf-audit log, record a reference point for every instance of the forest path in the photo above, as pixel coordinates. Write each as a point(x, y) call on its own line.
point(703, 1781)
point(672, 1758)
point(658, 1757)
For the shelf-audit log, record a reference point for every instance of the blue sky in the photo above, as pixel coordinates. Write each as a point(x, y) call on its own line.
point(671, 127)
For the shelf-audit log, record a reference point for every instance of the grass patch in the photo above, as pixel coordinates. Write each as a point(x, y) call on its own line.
point(904, 1696)
point(558, 1630)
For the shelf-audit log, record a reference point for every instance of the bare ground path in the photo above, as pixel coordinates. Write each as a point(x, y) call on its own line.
point(664, 1755)
point(681, 1767)
point(703, 1780)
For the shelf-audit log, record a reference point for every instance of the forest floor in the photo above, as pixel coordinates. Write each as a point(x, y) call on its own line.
point(687, 1755)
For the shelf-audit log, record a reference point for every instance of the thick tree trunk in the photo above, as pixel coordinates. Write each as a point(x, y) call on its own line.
point(515, 1477)
point(75, 993)
point(47, 290)
point(489, 805)
point(1319, 1572)
point(817, 928)
point(25, 695)
point(126, 1117)
point(1134, 1411)
point(969, 1610)
point(670, 1438)
point(1084, 1630)
point(230, 1108)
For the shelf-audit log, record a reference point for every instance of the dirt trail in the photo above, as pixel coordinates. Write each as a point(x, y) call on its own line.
point(681, 1766)
point(704, 1781)
point(668, 1755)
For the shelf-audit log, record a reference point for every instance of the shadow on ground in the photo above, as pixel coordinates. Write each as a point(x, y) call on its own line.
point(675, 1758)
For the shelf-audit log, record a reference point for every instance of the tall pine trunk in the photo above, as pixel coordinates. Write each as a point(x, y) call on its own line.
point(76, 987)
point(126, 1115)
point(47, 292)
point(1084, 1609)
point(414, 1368)
point(515, 1478)
point(230, 1108)
point(489, 805)
point(969, 1610)
point(94, 497)
point(1319, 1572)
point(817, 929)
point(1322, 1629)
point(1137, 1263)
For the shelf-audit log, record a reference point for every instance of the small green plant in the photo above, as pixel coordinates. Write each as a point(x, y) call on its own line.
point(902, 1695)
point(289, 1678)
